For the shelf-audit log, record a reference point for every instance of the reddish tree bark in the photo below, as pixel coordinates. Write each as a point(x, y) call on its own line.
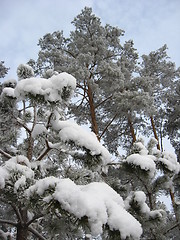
point(154, 131)
point(131, 129)
point(92, 112)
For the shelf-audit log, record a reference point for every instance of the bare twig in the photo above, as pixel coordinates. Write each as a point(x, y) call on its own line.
point(105, 129)
point(176, 225)
point(8, 222)
point(5, 154)
point(36, 233)
point(103, 101)
point(34, 218)
point(23, 125)
point(45, 152)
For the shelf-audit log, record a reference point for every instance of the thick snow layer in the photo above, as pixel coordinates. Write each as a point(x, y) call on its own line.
point(9, 81)
point(19, 165)
point(9, 92)
point(71, 131)
point(170, 161)
point(145, 162)
point(51, 89)
point(43, 184)
point(139, 198)
point(96, 201)
point(140, 148)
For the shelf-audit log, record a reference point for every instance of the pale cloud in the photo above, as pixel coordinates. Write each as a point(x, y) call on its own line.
point(149, 23)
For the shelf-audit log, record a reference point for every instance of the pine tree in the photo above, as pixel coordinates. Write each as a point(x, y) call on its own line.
point(90, 54)
point(53, 184)
point(173, 117)
point(157, 76)
point(141, 178)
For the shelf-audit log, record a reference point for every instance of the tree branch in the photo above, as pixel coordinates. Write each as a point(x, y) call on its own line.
point(34, 218)
point(71, 54)
point(23, 125)
point(32, 230)
point(8, 222)
point(108, 125)
point(45, 152)
point(103, 101)
point(176, 225)
point(18, 214)
point(7, 155)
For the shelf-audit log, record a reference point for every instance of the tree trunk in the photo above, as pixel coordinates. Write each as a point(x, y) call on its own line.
point(22, 228)
point(171, 193)
point(131, 129)
point(22, 232)
point(154, 131)
point(92, 112)
point(30, 147)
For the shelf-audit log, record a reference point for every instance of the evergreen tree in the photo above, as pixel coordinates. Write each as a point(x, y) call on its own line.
point(173, 117)
point(157, 76)
point(53, 184)
point(55, 179)
point(141, 178)
point(90, 54)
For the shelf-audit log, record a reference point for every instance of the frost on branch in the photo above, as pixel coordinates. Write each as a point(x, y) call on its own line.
point(96, 201)
point(24, 71)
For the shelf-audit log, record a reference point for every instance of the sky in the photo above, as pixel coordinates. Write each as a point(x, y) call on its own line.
point(149, 23)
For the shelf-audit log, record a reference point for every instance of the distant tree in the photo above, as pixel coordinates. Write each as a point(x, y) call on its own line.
point(173, 117)
point(8, 112)
point(157, 75)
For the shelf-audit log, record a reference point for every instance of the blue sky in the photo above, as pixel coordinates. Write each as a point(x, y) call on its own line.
point(150, 23)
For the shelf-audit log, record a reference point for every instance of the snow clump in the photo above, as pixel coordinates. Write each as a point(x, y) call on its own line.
point(145, 162)
point(71, 131)
point(52, 89)
point(170, 162)
point(96, 201)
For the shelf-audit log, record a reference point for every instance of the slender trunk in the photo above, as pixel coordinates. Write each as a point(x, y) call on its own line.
point(154, 131)
point(30, 147)
point(171, 193)
point(31, 140)
point(92, 112)
point(150, 200)
point(131, 129)
point(22, 228)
